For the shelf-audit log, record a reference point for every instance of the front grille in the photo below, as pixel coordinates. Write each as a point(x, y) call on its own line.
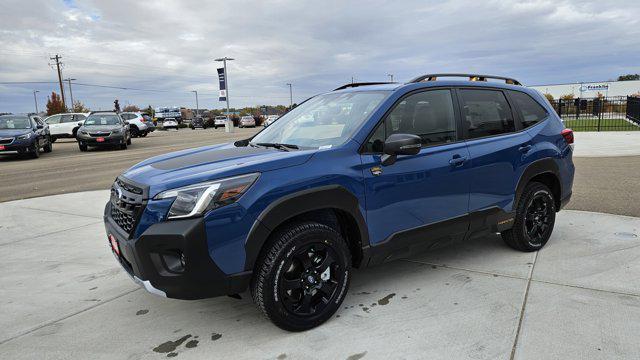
point(99, 134)
point(127, 205)
point(6, 141)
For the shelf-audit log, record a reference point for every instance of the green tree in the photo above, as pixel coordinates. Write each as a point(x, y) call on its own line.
point(54, 104)
point(549, 97)
point(628, 77)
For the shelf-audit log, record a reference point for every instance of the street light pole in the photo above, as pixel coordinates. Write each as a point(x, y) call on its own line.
point(197, 106)
point(226, 79)
point(390, 77)
point(70, 92)
point(35, 99)
point(290, 96)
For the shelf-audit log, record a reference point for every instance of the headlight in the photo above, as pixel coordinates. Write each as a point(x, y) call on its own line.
point(84, 132)
point(194, 200)
point(24, 137)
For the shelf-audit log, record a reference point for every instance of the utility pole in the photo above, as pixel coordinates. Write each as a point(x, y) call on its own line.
point(226, 79)
point(58, 63)
point(35, 99)
point(290, 96)
point(70, 92)
point(197, 106)
point(390, 77)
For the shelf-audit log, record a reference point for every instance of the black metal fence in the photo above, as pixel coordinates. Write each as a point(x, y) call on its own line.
point(620, 113)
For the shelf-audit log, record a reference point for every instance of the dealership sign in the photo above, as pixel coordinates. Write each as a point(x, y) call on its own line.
point(222, 96)
point(594, 87)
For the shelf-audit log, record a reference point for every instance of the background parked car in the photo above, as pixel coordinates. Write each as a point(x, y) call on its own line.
point(138, 124)
point(24, 134)
point(104, 128)
point(247, 121)
point(64, 125)
point(198, 122)
point(269, 120)
point(170, 123)
point(219, 121)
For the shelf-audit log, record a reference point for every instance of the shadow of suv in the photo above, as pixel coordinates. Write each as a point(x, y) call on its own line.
point(358, 176)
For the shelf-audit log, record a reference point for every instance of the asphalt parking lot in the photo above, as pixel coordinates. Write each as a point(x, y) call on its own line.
point(64, 296)
point(67, 169)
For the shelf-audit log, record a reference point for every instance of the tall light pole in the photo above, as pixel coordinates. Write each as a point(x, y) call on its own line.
point(226, 79)
point(35, 99)
point(197, 106)
point(390, 77)
point(290, 96)
point(70, 92)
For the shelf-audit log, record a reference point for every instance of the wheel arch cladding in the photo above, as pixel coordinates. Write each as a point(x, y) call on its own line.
point(544, 171)
point(331, 205)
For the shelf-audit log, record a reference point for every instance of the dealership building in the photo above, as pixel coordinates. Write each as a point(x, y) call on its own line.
point(591, 89)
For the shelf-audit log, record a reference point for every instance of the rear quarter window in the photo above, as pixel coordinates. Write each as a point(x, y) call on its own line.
point(531, 112)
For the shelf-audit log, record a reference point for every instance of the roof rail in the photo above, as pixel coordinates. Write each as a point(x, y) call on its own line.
point(471, 77)
point(350, 85)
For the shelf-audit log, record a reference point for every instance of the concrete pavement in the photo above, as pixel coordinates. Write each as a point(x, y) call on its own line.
point(607, 143)
point(64, 296)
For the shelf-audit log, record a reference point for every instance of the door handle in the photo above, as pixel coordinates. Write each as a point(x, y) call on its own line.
point(457, 160)
point(524, 148)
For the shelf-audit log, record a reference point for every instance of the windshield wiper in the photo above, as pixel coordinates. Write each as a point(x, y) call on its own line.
point(279, 146)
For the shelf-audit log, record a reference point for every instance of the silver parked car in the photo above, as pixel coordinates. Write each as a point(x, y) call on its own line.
point(247, 121)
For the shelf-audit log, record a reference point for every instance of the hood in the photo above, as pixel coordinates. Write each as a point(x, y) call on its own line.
point(98, 128)
point(13, 132)
point(192, 166)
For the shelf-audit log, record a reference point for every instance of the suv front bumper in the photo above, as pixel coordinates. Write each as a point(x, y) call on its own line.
point(171, 259)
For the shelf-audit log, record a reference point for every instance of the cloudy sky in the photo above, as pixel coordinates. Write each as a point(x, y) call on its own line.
point(168, 47)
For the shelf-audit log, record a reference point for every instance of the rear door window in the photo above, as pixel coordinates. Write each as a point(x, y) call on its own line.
point(67, 119)
point(531, 112)
point(486, 113)
point(55, 119)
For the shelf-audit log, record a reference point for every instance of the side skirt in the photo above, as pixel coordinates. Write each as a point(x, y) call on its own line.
point(436, 235)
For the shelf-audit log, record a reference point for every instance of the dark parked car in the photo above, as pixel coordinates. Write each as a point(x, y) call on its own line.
point(104, 129)
point(355, 177)
point(198, 123)
point(24, 134)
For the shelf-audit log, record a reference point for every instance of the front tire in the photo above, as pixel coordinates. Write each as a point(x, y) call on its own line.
point(82, 147)
point(303, 276)
point(49, 147)
point(535, 218)
point(35, 152)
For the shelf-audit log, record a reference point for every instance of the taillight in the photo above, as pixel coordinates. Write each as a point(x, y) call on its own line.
point(142, 119)
point(567, 134)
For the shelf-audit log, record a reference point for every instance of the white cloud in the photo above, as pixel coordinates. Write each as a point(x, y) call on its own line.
point(170, 45)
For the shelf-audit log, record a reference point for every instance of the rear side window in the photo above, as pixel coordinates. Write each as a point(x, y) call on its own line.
point(79, 117)
point(486, 113)
point(67, 119)
point(54, 119)
point(531, 111)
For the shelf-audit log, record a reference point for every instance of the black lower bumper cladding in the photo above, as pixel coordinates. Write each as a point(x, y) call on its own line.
point(171, 258)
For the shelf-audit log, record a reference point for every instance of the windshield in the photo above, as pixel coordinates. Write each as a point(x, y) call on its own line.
point(102, 119)
point(323, 121)
point(14, 122)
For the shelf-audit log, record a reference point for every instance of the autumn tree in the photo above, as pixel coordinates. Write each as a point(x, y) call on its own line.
point(55, 105)
point(79, 107)
point(131, 108)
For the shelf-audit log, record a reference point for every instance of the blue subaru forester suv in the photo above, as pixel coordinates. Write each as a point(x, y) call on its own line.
point(358, 176)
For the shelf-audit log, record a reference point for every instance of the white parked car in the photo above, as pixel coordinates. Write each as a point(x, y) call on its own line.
point(219, 121)
point(65, 125)
point(247, 121)
point(138, 125)
point(270, 120)
point(170, 123)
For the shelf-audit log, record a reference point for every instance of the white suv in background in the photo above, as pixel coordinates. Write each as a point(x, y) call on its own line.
point(247, 121)
point(138, 125)
point(219, 121)
point(65, 125)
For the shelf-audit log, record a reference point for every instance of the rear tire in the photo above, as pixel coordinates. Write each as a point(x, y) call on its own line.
point(53, 139)
point(302, 276)
point(535, 218)
point(134, 131)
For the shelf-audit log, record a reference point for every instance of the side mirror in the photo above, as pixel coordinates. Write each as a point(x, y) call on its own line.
point(400, 144)
point(126, 122)
point(80, 123)
point(39, 126)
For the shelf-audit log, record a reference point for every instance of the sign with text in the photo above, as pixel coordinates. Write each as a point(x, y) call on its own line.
point(222, 96)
